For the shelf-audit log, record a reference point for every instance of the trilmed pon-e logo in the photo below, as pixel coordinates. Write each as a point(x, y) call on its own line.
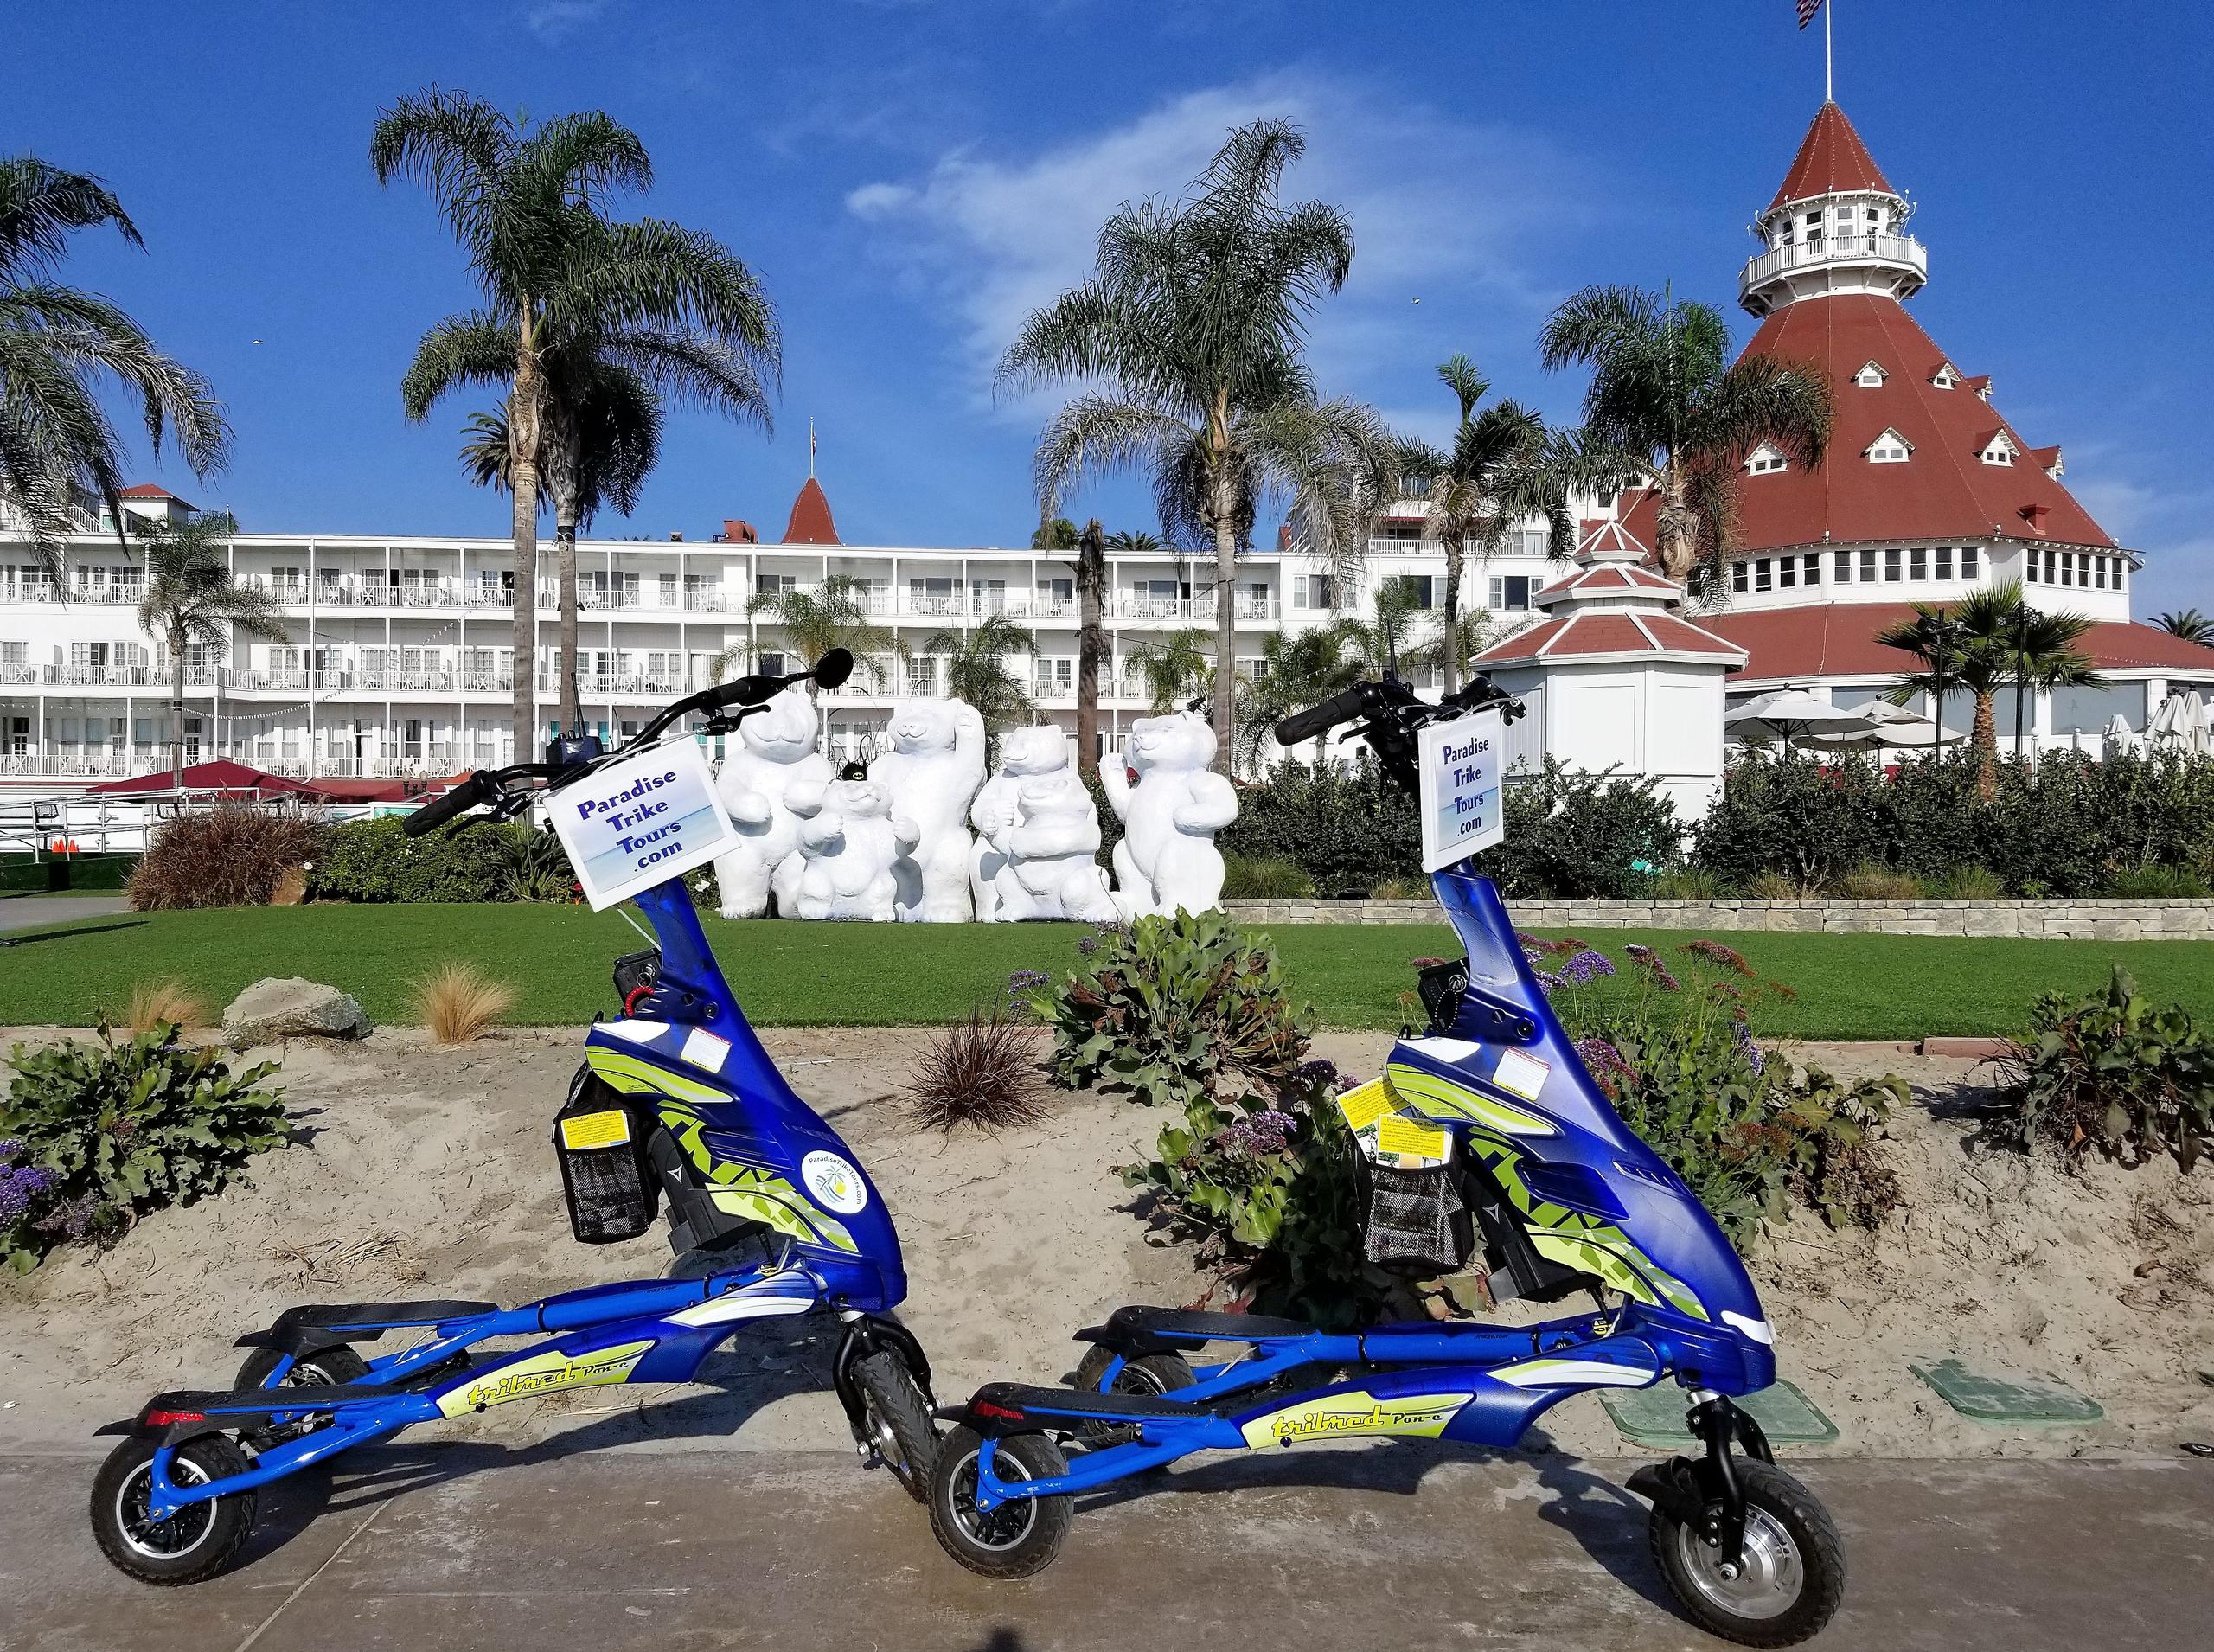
point(546, 1373)
point(1348, 1416)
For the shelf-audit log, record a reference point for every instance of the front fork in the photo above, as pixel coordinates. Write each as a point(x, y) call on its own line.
point(1706, 1495)
point(867, 1334)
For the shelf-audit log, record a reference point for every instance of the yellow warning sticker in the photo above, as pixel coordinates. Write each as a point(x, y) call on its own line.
point(1365, 1105)
point(1405, 1135)
point(610, 1129)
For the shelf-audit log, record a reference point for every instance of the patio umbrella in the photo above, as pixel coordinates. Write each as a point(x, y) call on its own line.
point(1888, 728)
point(2120, 739)
point(2179, 724)
point(1791, 713)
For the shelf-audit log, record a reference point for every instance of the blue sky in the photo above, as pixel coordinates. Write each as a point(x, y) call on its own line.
point(910, 178)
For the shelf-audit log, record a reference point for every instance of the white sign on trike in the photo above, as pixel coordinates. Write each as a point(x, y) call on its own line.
point(634, 823)
point(1460, 762)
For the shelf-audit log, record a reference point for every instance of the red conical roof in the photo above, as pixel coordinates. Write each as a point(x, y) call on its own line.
point(810, 522)
point(1832, 158)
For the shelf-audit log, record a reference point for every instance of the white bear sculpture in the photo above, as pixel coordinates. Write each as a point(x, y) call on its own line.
point(1025, 754)
point(848, 850)
point(1051, 866)
point(1167, 859)
point(769, 780)
point(933, 769)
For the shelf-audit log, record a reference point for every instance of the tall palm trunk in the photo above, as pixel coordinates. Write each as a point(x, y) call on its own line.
point(523, 416)
point(1453, 554)
point(176, 710)
point(1226, 576)
point(1676, 525)
point(1090, 640)
point(1983, 734)
point(565, 556)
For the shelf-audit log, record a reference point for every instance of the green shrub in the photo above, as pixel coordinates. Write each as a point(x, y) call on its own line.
point(1751, 1135)
point(2110, 1072)
point(1687, 883)
point(1266, 1185)
point(2157, 883)
point(1347, 826)
point(1264, 877)
point(1172, 1009)
point(94, 1135)
point(1401, 889)
point(1967, 882)
point(231, 856)
point(376, 861)
point(1867, 882)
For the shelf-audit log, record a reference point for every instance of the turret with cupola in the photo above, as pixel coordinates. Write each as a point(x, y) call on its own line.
point(1836, 226)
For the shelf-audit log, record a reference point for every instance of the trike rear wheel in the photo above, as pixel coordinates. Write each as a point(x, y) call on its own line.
point(1022, 1535)
point(325, 1368)
point(1153, 1375)
point(194, 1543)
point(1790, 1579)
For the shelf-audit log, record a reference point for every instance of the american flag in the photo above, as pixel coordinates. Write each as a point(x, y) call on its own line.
point(1807, 10)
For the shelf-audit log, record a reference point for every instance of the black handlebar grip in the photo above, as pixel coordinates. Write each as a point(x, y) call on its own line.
point(1317, 719)
point(437, 812)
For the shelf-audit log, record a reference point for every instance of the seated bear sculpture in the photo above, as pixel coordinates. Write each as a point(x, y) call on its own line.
point(772, 777)
point(1051, 868)
point(1166, 861)
point(933, 769)
point(1025, 755)
point(848, 850)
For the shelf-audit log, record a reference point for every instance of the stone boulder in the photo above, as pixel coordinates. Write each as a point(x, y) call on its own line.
point(272, 1010)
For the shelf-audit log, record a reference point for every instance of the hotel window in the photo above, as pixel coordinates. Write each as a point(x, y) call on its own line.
point(922, 675)
point(1313, 591)
point(1764, 460)
point(1870, 376)
point(772, 584)
point(2121, 569)
point(1967, 561)
point(1868, 568)
point(2068, 567)
point(1813, 564)
point(1813, 222)
point(1787, 571)
point(1841, 567)
point(1918, 562)
point(1891, 566)
point(1763, 574)
point(1945, 377)
point(1887, 449)
point(1738, 579)
point(1944, 561)
point(2100, 572)
point(1511, 592)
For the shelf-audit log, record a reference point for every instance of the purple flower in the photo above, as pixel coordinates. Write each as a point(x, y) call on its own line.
point(1316, 1071)
point(73, 1217)
point(1262, 1132)
point(1088, 945)
point(1548, 982)
point(10, 1151)
point(1715, 952)
point(1755, 1057)
point(1586, 967)
point(19, 1185)
point(1649, 961)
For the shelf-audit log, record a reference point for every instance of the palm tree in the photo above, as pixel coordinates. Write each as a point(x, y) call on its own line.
point(1192, 325)
point(1961, 647)
point(1383, 644)
point(190, 597)
point(57, 447)
point(611, 439)
point(1500, 469)
point(565, 286)
point(1455, 640)
point(1669, 409)
point(1091, 570)
point(1297, 669)
point(2189, 625)
point(1175, 667)
point(977, 671)
point(834, 615)
point(2041, 653)
point(1053, 533)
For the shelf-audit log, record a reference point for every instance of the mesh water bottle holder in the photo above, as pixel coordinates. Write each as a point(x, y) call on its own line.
point(1410, 1226)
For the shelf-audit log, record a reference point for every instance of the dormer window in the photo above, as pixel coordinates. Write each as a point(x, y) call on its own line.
point(1890, 448)
point(1870, 376)
point(1999, 449)
point(1945, 377)
point(1765, 460)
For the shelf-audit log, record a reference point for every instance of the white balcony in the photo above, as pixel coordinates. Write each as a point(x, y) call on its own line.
point(1897, 264)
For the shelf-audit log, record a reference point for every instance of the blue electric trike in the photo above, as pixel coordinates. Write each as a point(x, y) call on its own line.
point(1484, 1131)
point(677, 1100)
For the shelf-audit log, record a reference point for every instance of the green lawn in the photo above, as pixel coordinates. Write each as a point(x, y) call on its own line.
point(797, 975)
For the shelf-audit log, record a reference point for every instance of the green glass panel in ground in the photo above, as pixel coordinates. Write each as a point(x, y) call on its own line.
point(2007, 1400)
point(1654, 1416)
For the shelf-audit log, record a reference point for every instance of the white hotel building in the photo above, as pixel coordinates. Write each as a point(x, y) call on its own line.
point(399, 655)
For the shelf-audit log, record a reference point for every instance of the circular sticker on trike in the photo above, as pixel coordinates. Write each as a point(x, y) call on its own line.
point(834, 1183)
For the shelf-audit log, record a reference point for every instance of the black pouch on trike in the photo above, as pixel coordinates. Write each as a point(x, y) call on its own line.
point(1414, 1221)
point(605, 1180)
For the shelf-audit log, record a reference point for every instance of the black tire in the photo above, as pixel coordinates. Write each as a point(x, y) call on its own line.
point(325, 1367)
point(899, 1428)
point(1793, 1576)
point(196, 1543)
point(1150, 1374)
point(1016, 1540)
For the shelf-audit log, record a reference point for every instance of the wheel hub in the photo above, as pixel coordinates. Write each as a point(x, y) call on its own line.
point(1764, 1583)
point(1003, 1527)
point(162, 1540)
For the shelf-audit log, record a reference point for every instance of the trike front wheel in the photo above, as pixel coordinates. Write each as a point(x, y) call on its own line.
point(193, 1544)
point(1020, 1537)
point(898, 1420)
point(1787, 1583)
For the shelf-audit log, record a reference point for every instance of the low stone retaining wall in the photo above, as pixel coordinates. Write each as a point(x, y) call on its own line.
point(2100, 920)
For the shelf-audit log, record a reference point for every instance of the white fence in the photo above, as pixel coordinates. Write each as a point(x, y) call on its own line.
point(33, 826)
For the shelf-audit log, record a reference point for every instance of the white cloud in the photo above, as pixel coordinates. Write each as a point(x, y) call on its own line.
point(554, 20)
point(1444, 209)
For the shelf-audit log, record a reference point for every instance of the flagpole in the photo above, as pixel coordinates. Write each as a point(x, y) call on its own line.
point(1829, 62)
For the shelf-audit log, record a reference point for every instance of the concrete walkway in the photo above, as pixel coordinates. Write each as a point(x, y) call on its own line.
point(1403, 1546)
point(32, 912)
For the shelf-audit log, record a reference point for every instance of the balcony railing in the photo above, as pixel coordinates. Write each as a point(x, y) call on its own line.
point(1901, 250)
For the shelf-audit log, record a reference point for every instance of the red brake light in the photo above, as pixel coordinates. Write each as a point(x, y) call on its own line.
point(985, 1408)
point(163, 1418)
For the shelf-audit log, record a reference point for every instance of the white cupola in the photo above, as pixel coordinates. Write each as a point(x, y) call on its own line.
point(1836, 226)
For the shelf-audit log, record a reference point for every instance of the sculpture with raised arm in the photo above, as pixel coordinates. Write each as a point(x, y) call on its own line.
point(932, 771)
point(772, 777)
point(1166, 860)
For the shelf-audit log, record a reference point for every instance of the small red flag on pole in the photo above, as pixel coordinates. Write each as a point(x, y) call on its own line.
point(1807, 10)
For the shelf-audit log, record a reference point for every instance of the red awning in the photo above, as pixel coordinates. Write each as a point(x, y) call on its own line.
point(221, 775)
